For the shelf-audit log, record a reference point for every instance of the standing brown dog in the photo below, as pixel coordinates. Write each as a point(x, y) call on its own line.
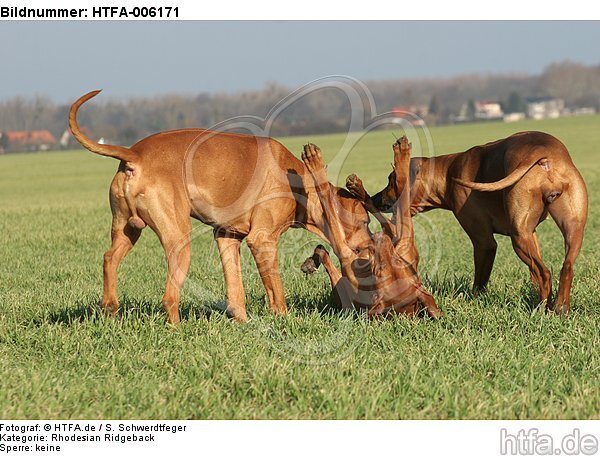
point(245, 187)
point(385, 280)
point(507, 187)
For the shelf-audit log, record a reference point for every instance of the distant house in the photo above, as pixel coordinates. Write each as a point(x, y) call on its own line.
point(15, 141)
point(580, 111)
point(584, 111)
point(514, 116)
point(544, 107)
point(488, 110)
point(413, 113)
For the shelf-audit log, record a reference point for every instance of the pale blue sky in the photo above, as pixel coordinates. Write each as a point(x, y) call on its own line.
point(66, 59)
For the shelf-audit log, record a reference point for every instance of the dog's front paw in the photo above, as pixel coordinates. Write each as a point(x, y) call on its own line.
point(312, 263)
point(313, 158)
point(402, 146)
point(402, 150)
point(355, 186)
point(309, 266)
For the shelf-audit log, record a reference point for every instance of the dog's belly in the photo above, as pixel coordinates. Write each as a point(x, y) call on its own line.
point(266, 211)
point(500, 225)
point(482, 213)
point(493, 207)
point(231, 185)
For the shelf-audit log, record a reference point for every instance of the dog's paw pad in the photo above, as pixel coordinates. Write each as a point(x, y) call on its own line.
point(402, 147)
point(355, 185)
point(313, 160)
point(352, 180)
point(404, 144)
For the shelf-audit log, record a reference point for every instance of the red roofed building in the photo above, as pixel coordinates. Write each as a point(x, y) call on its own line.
point(13, 141)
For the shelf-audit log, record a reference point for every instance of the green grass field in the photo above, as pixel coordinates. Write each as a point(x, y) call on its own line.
point(490, 357)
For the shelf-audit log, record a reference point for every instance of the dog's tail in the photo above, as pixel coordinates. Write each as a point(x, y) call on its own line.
point(121, 153)
point(509, 180)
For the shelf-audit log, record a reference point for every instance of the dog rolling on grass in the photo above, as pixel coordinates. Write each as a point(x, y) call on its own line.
point(245, 187)
point(506, 187)
point(385, 281)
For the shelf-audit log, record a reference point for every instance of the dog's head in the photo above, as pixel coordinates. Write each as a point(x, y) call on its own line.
point(395, 278)
point(384, 200)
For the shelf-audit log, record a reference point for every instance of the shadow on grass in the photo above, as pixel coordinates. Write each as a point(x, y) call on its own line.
point(531, 298)
point(456, 285)
point(449, 285)
point(323, 303)
point(88, 309)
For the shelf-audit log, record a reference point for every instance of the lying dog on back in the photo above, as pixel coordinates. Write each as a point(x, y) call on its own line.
point(506, 187)
point(386, 281)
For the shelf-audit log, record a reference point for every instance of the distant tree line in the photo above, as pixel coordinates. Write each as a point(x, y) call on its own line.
point(324, 111)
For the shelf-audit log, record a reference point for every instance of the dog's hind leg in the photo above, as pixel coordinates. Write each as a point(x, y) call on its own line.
point(229, 251)
point(124, 238)
point(177, 250)
point(573, 234)
point(173, 227)
point(527, 249)
point(525, 210)
point(570, 214)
